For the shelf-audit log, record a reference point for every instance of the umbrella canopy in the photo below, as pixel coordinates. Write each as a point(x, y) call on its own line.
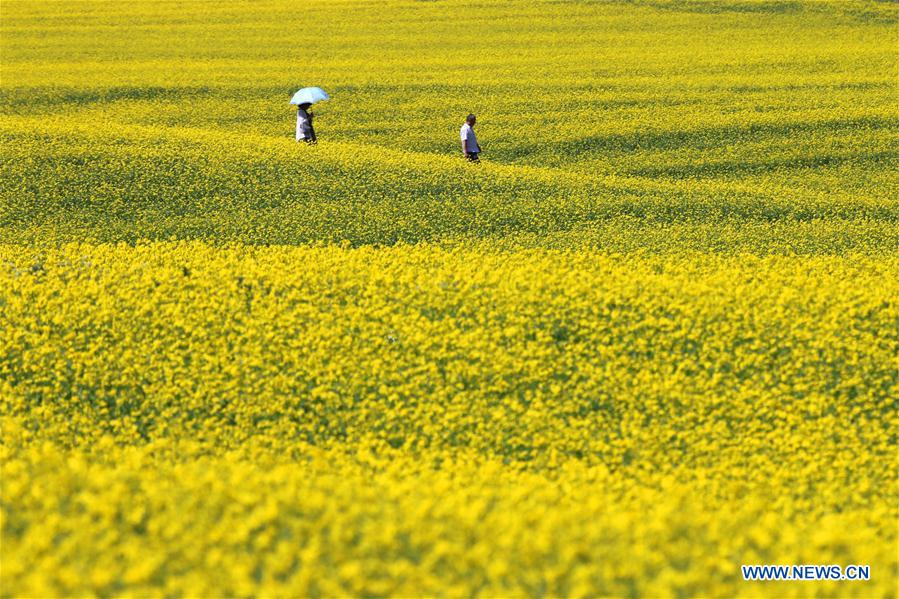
point(309, 95)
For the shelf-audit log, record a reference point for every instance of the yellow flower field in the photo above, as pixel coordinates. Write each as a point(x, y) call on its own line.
point(652, 337)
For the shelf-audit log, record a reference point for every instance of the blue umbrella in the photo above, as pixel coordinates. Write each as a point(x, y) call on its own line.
point(309, 95)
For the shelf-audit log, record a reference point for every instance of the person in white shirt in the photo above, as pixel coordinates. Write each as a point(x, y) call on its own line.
point(305, 132)
point(470, 146)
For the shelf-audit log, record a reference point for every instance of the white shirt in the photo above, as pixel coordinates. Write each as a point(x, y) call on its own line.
point(467, 134)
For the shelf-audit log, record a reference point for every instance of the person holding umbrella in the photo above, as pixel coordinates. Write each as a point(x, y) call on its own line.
point(305, 131)
point(304, 99)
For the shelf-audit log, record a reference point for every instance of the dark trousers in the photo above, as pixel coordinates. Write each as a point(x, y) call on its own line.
point(310, 135)
point(473, 157)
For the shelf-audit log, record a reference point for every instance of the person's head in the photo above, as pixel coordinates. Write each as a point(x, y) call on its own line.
point(305, 106)
point(471, 119)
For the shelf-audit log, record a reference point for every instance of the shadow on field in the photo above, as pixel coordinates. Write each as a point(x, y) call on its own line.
point(718, 137)
point(43, 97)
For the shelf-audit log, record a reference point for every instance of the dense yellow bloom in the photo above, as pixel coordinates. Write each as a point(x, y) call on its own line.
point(652, 337)
point(724, 125)
point(415, 420)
